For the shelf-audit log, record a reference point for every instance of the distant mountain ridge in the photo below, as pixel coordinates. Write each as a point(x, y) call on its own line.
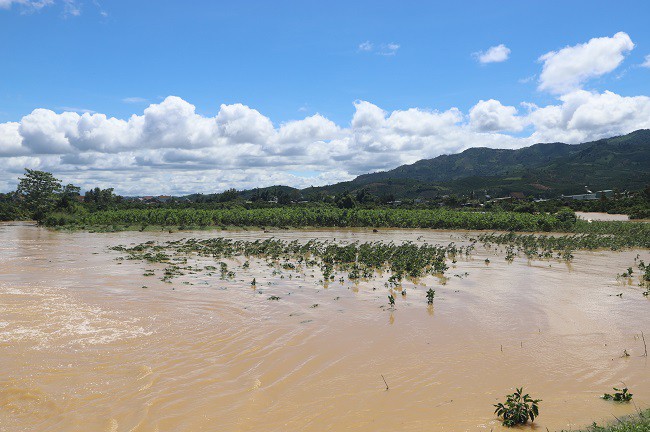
point(487, 162)
point(621, 162)
point(543, 170)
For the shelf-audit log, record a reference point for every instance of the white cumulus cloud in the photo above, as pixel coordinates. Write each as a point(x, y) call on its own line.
point(569, 68)
point(495, 54)
point(492, 116)
point(584, 116)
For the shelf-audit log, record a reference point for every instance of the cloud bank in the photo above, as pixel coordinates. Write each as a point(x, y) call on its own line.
point(169, 148)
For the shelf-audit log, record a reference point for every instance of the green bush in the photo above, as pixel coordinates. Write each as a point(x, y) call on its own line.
point(620, 395)
point(567, 217)
point(518, 408)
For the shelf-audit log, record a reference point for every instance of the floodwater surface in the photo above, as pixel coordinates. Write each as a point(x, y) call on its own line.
point(595, 216)
point(89, 343)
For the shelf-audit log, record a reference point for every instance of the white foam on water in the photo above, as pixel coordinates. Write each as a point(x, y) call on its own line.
point(46, 318)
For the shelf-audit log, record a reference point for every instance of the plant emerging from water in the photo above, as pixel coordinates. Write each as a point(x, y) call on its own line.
point(430, 295)
point(358, 260)
point(627, 273)
point(645, 276)
point(620, 395)
point(598, 236)
point(518, 408)
point(391, 300)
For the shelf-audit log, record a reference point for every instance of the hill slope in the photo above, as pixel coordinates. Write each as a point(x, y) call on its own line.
point(542, 169)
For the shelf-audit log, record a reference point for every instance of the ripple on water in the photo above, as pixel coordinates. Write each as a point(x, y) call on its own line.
point(46, 318)
point(20, 398)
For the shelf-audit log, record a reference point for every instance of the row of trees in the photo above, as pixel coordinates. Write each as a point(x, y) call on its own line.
point(40, 193)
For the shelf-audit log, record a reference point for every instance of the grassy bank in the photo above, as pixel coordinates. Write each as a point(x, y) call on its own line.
point(635, 423)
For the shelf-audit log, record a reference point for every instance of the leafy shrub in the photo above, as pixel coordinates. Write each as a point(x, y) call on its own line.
point(430, 295)
point(640, 213)
point(620, 395)
point(518, 408)
point(59, 219)
point(567, 217)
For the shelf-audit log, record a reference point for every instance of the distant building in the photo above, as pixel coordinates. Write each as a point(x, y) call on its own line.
point(590, 196)
point(581, 197)
point(512, 196)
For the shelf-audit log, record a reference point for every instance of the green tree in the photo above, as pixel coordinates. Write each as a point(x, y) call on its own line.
point(68, 196)
point(386, 198)
point(363, 196)
point(228, 195)
point(646, 193)
point(345, 201)
point(101, 199)
point(9, 209)
point(37, 191)
point(283, 198)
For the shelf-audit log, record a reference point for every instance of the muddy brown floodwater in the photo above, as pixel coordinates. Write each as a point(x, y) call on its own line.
point(88, 343)
point(594, 216)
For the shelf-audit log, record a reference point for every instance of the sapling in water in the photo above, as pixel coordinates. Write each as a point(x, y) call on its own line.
point(620, 395)
point(430, 295)
point(518, 408)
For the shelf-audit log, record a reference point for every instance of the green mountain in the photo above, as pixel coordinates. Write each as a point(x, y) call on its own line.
point(542, 170)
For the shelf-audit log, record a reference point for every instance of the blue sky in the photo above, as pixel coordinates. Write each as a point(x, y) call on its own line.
point(289, 60)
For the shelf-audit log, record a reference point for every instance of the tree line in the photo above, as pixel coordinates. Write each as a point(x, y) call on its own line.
point(40, 194)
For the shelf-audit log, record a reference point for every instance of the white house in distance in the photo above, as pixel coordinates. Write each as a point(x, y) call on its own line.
point(591, 195)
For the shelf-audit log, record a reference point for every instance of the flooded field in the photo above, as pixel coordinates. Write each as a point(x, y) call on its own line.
point(595, 216)
point(89, 343)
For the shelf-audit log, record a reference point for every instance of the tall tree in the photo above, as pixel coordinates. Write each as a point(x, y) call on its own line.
point(68, 196)
point(102, 199)
point(37, 191)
